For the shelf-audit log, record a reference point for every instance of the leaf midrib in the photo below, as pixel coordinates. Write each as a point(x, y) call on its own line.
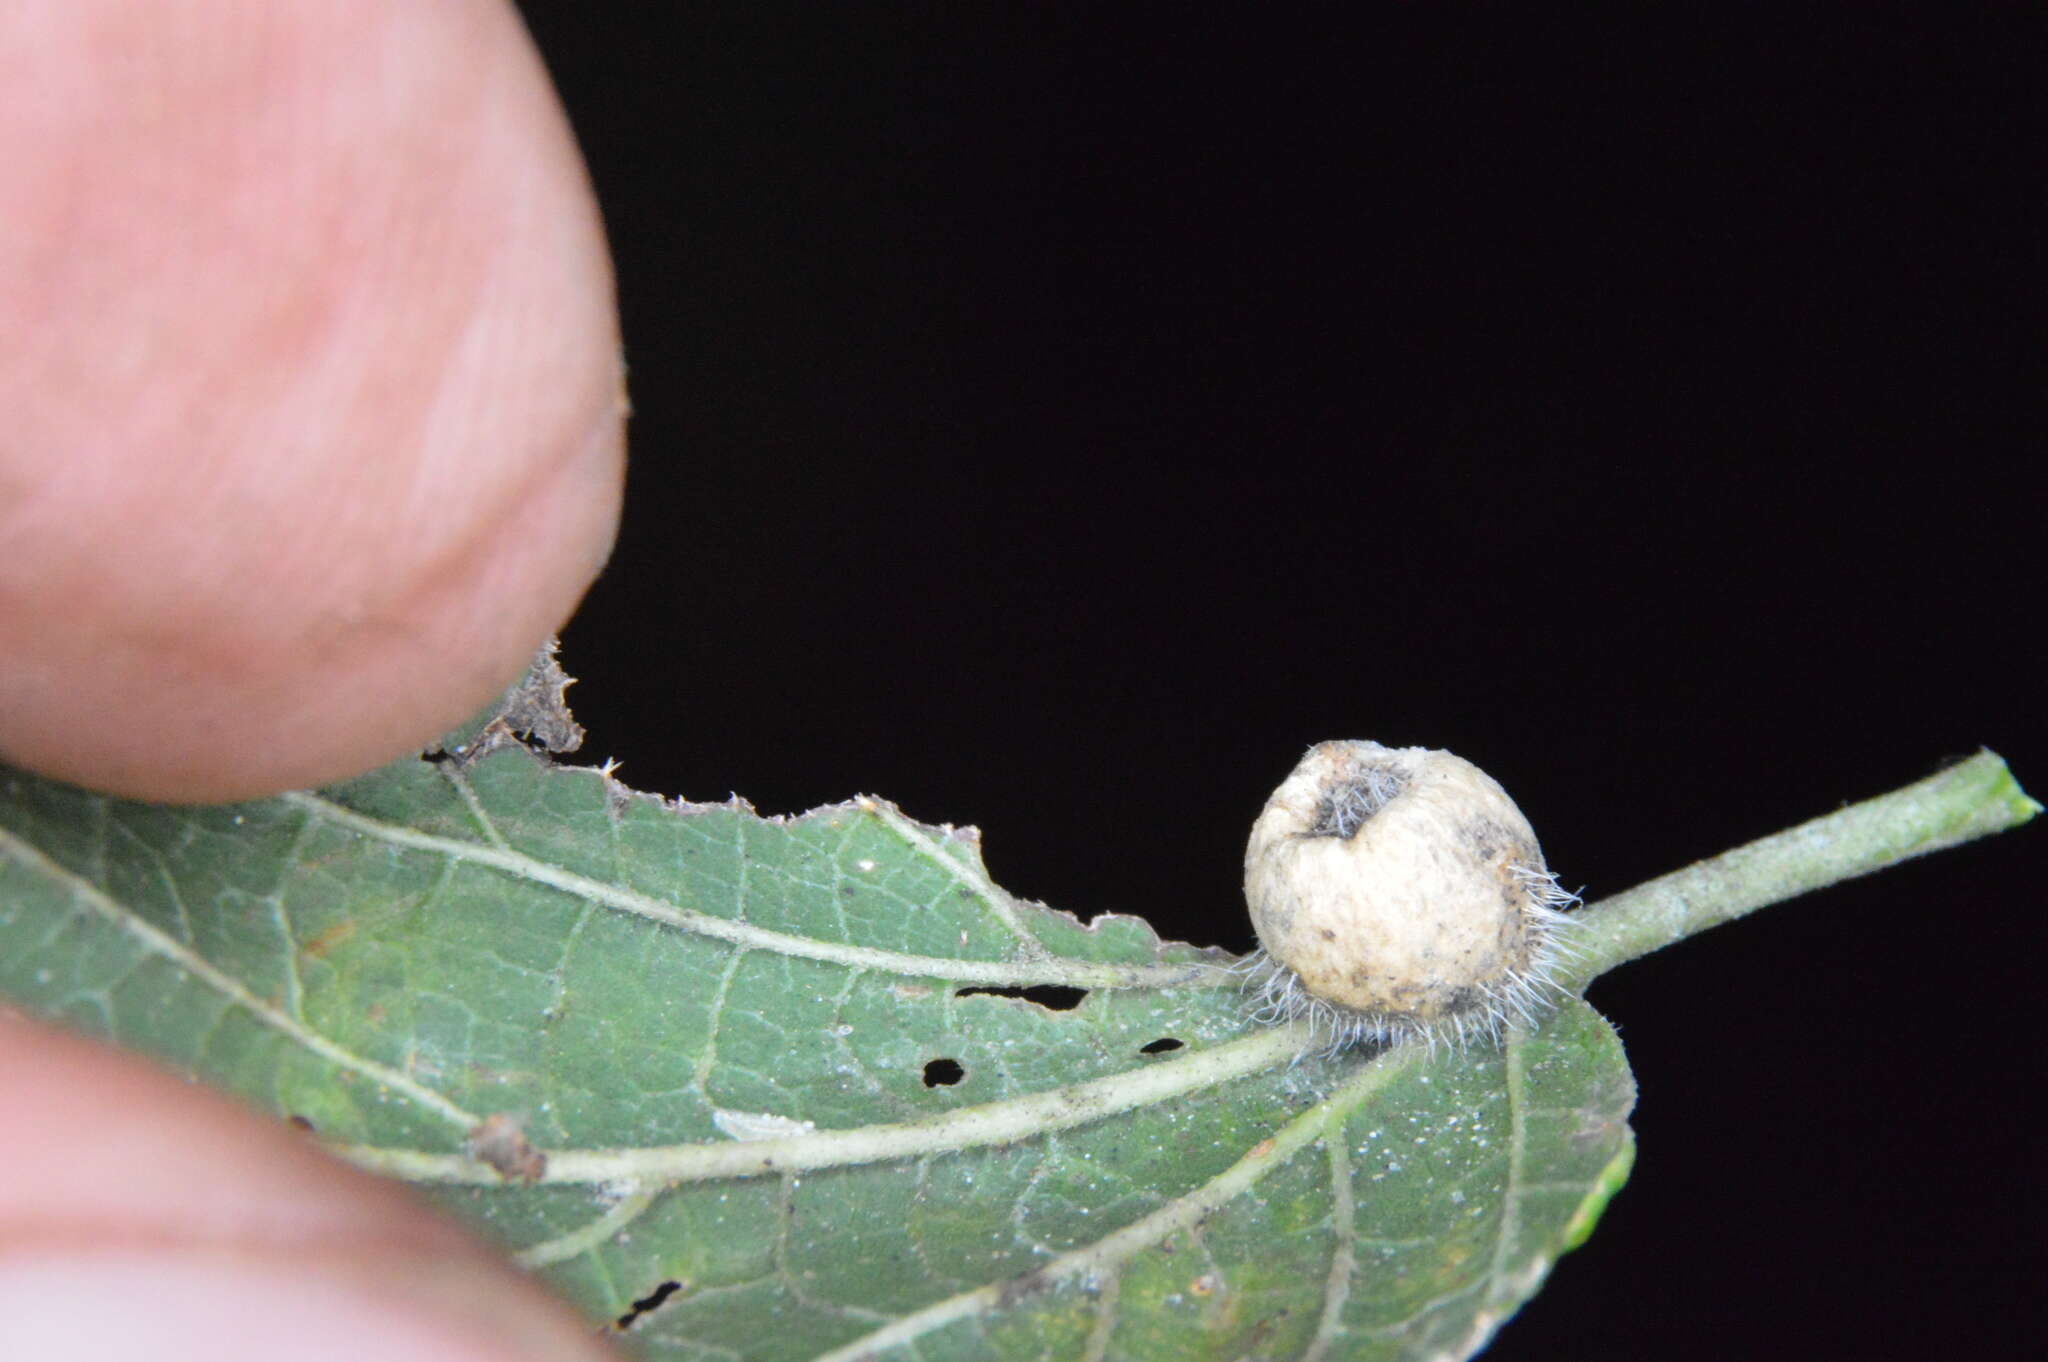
point(1003, 1121)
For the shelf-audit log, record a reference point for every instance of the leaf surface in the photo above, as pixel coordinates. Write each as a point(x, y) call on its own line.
point(763, 1088)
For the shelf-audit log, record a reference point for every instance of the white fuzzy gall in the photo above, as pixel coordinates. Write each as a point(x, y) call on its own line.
point(1399, 893)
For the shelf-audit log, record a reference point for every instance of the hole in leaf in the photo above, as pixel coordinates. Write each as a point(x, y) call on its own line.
point(1160, 1046)
point(943, 1073)
point(647, 1303)
point(1053, 997)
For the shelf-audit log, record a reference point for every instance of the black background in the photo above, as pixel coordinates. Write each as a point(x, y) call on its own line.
point(1055, 421)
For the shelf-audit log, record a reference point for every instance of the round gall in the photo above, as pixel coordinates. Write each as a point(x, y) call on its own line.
point(1397, 893)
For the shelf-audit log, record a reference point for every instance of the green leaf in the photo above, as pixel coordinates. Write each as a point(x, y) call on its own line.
point(815, 1087)
point(819, 1073)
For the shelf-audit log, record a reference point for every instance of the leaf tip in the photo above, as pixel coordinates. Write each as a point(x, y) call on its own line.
point(2003, 795)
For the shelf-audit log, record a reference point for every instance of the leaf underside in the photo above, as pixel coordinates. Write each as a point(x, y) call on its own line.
point(807, 1087)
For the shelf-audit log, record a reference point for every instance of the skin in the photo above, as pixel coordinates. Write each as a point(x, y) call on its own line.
point(310, 364)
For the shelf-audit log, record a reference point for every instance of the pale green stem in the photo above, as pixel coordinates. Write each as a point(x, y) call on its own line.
point(1972, 799)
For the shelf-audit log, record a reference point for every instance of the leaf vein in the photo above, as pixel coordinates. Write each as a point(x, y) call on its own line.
point(481, 816)
point(156, 941)
point(1000, 1122)
point(1343, 1247)
point(1084, 974)
point(592, 1233)
point(1111, 1289)
point(1184, 1212)
point(995, 899)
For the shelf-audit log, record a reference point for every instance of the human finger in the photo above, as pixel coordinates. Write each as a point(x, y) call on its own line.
point(309, 356)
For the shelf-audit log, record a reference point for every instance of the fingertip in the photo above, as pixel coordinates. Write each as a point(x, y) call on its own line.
point(144, 1216)
point(315, 422)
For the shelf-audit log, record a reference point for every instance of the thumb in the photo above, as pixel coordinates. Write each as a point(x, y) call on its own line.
point(310, 367)
point(141, 1216)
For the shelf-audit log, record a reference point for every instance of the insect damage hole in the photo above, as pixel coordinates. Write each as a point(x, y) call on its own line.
point(645, 1304)
point(1160, 1046)
point(1052, 997)
point(943, 1073)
